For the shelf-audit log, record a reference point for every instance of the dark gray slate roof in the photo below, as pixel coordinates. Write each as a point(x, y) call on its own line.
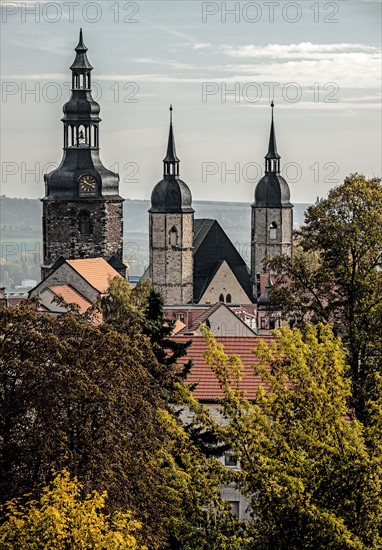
point(171, 195)
point(272, 191)
point(211, 247)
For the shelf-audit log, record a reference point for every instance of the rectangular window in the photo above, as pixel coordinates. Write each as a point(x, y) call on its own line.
point(230, 460)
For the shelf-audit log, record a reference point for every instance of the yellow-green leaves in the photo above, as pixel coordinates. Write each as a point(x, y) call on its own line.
point(62, 519)
point(312, 480)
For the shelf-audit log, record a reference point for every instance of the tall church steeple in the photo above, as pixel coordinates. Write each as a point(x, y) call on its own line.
point(171, 231)
point(272, 158)
point(82, 208)
point(272, 212)
point(171, 161)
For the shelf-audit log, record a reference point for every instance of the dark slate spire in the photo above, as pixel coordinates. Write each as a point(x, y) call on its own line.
point(81, 62)
point(171, 161)
point(171, 194)
point(272, 190)
point(272, 158)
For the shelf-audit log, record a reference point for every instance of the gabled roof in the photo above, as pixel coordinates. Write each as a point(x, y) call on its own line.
point(211, 247)
point(203, 316)
point(207, 387)
point(96, 271)
point(70, 296)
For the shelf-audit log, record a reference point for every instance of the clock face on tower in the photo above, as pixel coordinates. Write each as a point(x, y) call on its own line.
point(88, 185)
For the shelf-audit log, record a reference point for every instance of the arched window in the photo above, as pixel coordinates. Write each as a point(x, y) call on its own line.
point(173, 236)
point(82, 136)
point(221, 298)
point(85, 223)
point(228, 298)
point(273, 231)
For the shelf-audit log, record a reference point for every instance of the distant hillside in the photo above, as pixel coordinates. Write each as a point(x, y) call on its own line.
point(24, 215)
point(21, 233)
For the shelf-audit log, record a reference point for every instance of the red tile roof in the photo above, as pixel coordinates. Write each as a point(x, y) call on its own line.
point(207, 385)
point(71, 296)
point(179, 325)
point(96, 271)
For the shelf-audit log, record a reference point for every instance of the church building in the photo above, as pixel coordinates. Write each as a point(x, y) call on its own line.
point(193, 260)
point(82, 208)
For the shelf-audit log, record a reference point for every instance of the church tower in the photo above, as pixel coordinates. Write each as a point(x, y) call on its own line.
point(272, 213)
point(82, 209)
point(171, 232)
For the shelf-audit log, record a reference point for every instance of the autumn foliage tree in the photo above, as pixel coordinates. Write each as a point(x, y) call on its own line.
point(95, 398)
point(77, 395)
point(312, 477)
point(62, 519)
point(335, 276)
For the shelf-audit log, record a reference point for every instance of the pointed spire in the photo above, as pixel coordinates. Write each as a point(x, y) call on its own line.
point(272, 158)
point(81, 62)
point(272, 149)
point(171, 161)
point(81, 46)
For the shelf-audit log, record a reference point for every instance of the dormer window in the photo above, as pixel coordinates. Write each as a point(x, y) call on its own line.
point(273, 231)
point(173, 236)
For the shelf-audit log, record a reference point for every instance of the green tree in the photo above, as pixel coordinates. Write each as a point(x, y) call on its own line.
point(62, 519)
point(307, 467)
point(77, 395)
point(94, 400)
point(336, 276)
point(130, 310)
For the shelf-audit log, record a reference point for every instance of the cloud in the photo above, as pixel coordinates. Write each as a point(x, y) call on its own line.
point(201, 45)
point(303, 50)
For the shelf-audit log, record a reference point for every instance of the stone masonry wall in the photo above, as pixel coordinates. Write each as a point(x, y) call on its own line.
point(62, 236)
point(171, 266)
point(261, 243)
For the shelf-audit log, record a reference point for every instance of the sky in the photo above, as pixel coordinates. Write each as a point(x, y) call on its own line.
point(219, 64)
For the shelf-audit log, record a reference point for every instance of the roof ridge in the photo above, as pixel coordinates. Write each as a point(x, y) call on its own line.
point(196, 322)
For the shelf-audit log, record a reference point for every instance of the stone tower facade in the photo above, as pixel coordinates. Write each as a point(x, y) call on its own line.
point(171, 232)
point(82, 208)
point(272, 214)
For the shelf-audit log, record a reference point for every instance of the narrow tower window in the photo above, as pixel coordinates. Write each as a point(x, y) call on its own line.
point(85, 223)
point(273, 231)
point(228, 298)
point(173, 236)
point(82, 135)
point(221, 298)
